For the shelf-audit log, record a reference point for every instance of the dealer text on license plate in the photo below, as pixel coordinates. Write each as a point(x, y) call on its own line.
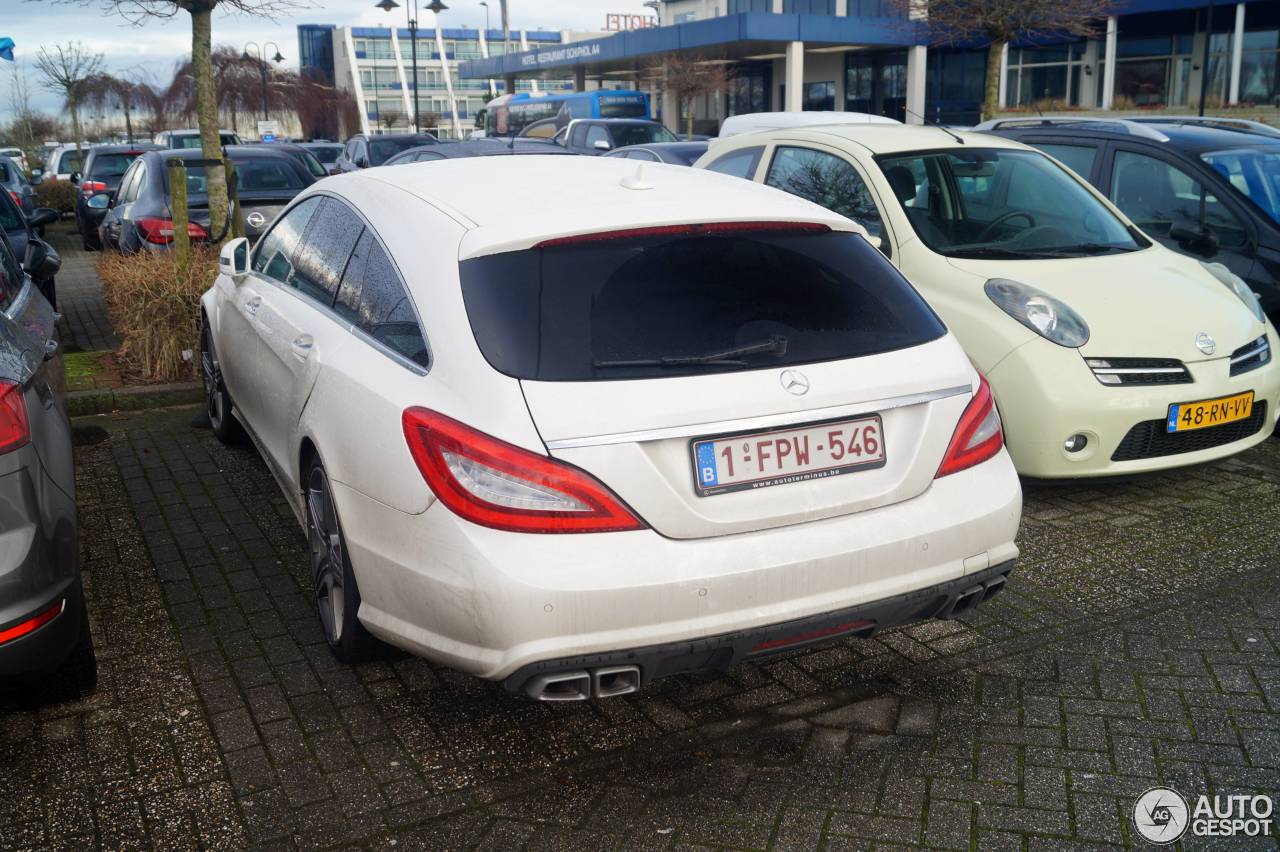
point(1185, 416)
point(781, 456)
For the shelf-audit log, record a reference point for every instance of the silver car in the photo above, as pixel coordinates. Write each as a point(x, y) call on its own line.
point(44, 628)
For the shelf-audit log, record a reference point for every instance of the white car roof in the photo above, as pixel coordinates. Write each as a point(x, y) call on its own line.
point(886, 138)
point(752, 122)
point(503, 201)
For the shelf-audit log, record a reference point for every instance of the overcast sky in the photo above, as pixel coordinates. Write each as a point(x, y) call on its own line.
point(159, 44)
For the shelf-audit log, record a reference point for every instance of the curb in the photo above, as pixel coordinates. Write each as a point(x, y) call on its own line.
point(80, 403)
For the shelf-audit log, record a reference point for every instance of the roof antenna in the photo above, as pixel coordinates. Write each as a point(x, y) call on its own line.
point(636, 181)
point(953, 135)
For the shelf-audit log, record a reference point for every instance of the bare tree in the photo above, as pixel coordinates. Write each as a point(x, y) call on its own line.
point(999, 22)
point(116, 92)
point(69, 70)
point(202, 71)
point(20, 104)
point(689, 78)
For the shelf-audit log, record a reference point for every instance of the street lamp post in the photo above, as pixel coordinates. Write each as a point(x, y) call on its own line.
point(486, 17)
point(263, 67)
point(411, 11)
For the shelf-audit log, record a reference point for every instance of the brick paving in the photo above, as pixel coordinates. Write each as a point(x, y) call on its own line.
point(84, 324)
point(1137, 643)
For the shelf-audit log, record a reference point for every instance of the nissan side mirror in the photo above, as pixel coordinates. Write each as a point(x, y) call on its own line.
point(233, 260)
point(42, 216)
point(601, 145)
point(1193, 234)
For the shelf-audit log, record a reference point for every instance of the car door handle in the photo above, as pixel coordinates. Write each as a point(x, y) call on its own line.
point(302, 346)
point(252, 304)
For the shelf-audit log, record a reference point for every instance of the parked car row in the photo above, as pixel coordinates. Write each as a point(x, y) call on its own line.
point(572, 426)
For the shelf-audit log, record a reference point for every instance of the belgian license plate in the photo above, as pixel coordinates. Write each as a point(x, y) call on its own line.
point(1185, 416)
point(782, 456)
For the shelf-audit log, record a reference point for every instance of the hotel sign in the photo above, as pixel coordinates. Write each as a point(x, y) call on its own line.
point(616, 22)
point(568, 53)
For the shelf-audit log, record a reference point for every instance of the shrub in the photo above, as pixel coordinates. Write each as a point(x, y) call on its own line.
point(154, 304)
point(58, 194)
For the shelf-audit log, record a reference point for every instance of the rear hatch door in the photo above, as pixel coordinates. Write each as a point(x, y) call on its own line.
point(799, 366)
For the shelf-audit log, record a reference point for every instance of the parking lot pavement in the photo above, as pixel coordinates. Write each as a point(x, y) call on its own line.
point(84, 324)
point(1137, 644)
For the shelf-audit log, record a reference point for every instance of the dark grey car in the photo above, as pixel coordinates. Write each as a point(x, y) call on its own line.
point(23, 233)
point(476, 148)
point(104, 167)
point(43, 624)
point(141, 219)
point(675, 153)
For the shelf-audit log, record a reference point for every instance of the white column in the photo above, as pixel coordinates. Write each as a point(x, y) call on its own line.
point(448, 79)
point(670, 111)
point(842, 8)
point(355, 80)
point(777, 7)
point(793, 77)
point(524, 45)
point(1237, 55)
point(404, 84)
point(917, 65)
point(484, 53)
point(1109, 66)
point(1003, 96)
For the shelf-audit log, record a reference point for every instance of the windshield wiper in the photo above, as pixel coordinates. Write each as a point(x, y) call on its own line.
point(994, 252)
point(775, 345)
point(1086, 248)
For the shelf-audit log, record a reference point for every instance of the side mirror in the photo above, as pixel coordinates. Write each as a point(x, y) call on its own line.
point(101, 201)
point(233, 260)
point(75, 177)
point(362, 162)
point(42, 216)
point(601, 145)
point(37, 177)
point(1193, 234)
point(41, 262)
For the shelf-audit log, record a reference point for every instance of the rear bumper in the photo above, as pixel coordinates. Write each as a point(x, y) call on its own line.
point(46, 647)
point(491, 603)
point(718, 653)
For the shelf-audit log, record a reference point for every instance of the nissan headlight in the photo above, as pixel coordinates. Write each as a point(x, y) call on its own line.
point(1236, 285)
point(1048, 317)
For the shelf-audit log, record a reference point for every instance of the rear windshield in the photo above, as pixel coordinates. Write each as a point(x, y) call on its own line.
point(640, 134)
point(689, 305)
point(380, 150)
point(253, 175)
point(70, 161)
point(326, 155)
point(112, 165)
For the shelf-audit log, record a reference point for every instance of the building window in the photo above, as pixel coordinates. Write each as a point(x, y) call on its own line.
point(736, 6)
point(876, 83)
point(810, 7)
point(820, 97)
point(1048, 75)
point(1260, 67)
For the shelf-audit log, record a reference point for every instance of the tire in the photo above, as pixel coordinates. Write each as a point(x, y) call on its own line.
point(217, 401)
point(337, 596)
point(77, 677)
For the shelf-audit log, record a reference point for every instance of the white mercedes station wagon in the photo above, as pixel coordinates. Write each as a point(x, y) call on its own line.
point(573, 425)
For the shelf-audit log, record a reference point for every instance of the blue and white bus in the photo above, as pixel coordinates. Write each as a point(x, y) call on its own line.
point(511, 114)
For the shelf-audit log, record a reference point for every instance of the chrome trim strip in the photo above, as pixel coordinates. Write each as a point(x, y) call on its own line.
point(1125, 371)
point(767, 422)
point(1261, 347)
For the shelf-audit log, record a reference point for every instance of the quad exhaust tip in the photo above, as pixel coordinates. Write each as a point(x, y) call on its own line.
point(604, 682)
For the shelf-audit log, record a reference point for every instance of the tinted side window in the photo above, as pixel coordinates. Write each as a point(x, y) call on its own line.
point(11, 275)
point(274, 255)
point(373, 298)
point(579, 136)
point(740, 163)
point(1157, 195)
point(827, 180)
point(322, 254)
point(1078, 158)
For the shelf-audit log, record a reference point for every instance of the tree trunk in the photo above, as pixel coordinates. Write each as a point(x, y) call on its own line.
point(74, 108)
point(689, 120)
point(128, 123)
point(991, 95)
point(207, 114)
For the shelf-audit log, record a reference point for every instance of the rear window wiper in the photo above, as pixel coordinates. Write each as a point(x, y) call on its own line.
point(775, 345)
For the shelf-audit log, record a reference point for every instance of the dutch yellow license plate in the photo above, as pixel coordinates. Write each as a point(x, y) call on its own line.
point(1185, 416)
